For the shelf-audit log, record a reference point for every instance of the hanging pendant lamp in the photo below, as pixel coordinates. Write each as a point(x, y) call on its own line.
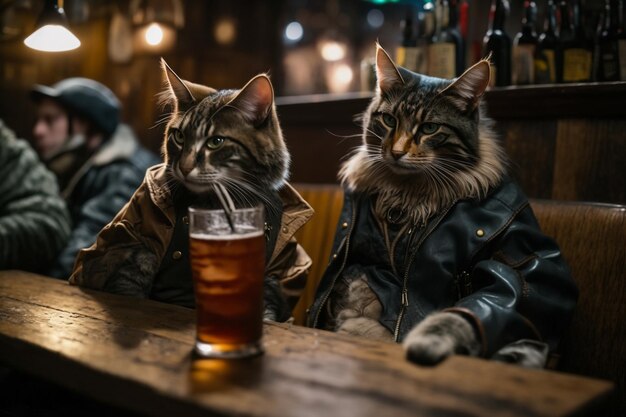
point(52, 33)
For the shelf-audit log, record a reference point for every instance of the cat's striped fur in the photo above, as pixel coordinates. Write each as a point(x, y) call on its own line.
point(461, 159)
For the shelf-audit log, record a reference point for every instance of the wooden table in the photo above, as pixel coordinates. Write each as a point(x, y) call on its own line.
point(136, 354)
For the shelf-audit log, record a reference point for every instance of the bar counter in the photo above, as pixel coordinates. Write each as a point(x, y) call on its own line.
point(136, 355)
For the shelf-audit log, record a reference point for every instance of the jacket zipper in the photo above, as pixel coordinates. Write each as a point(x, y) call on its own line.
point(405, 292)
point(343, 265)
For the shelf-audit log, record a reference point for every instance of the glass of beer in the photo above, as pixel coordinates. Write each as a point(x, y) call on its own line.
point(227, 255)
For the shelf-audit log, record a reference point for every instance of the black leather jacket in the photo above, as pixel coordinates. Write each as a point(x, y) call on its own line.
point(485, 259)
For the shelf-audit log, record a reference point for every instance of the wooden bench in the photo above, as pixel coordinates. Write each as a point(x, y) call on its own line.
point(592, 238)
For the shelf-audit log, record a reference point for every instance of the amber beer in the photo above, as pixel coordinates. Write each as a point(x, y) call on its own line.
point(227, 268)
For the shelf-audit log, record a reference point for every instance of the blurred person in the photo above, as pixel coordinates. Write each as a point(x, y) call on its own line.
point(34, 221)
point(97, 160)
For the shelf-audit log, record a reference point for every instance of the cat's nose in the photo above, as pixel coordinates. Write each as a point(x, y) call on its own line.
point(397, 155)
point(185, 169)
point(186, 164)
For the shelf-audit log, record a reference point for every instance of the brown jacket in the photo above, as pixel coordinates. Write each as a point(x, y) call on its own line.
point(148, 221)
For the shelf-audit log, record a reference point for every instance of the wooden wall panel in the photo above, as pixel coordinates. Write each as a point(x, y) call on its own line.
point(531, 149)
point(317, 153)
point(590, 160)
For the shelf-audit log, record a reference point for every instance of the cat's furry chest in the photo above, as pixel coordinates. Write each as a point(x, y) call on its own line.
point(381, 261)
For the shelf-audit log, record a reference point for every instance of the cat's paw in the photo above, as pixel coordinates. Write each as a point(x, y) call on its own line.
point(269, 315)
point(428, 349)
point(439, 336)
point(524, 352)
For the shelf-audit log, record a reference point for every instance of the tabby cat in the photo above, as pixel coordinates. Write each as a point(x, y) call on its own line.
point(434, 240)
point(229, 141)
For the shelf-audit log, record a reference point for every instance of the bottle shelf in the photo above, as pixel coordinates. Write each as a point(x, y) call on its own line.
point(600, 99)
point(584, 100)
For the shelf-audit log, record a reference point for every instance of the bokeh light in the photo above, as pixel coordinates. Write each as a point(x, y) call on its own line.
point(294, 31)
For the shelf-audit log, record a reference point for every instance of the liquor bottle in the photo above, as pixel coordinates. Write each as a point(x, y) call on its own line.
point(582, 39)
point(545, 57)
point(442, 50)
point(595, 60)
point(608, 43)
point(454, 30)
point(421, 59)
point(498, 44)
point(427, 33)
point(524, 46)
point(406, 52)
point(573, 49)
point(463, 18)
point(621, 41)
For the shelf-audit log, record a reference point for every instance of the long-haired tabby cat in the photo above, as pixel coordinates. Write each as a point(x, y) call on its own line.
point(229, 139)
point(436, 246)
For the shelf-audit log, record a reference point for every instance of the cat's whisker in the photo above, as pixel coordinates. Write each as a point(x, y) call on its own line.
point(251, 189)
point(375, 153)
point(371, 132)
point(372, 147)
point(159, 123)
point(247, 191)
point(440, 169)
point(344, 137)
point(238, 192)
point(351, 153)
point(262, 196)
point(443, 177)
point(358, 118)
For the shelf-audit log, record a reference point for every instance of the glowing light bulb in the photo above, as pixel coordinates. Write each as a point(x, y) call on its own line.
point(154, 34)
point(52, 38)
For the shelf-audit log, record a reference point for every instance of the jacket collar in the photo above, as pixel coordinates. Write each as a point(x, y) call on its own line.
point(122, 145)
point(296, 211)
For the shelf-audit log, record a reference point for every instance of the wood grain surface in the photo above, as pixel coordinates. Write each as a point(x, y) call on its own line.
point(136, 354)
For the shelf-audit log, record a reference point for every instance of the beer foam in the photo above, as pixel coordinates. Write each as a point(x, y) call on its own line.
point(226, 236)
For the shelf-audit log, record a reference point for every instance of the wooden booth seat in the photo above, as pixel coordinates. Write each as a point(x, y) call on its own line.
point(592, 238)
point(316, 237)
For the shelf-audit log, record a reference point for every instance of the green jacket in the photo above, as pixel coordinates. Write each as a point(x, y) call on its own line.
point(34, 222)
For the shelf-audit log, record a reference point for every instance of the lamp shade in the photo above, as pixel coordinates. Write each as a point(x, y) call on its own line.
point(52, 33)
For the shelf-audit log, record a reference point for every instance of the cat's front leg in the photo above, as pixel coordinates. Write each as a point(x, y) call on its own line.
point(275, 307)
point(130, 270)
point(439, 336)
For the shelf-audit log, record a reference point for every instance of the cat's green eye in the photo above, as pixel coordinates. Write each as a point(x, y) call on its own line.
point(178, 136)
point(215, 142)
point(389, 120)
point(429, 128)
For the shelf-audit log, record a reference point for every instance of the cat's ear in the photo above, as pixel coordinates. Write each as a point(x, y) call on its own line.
point(198, 91)
point(182, 93)
point(387, 74)
point(467, 90)
point(179, 93)
point(255, 99)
